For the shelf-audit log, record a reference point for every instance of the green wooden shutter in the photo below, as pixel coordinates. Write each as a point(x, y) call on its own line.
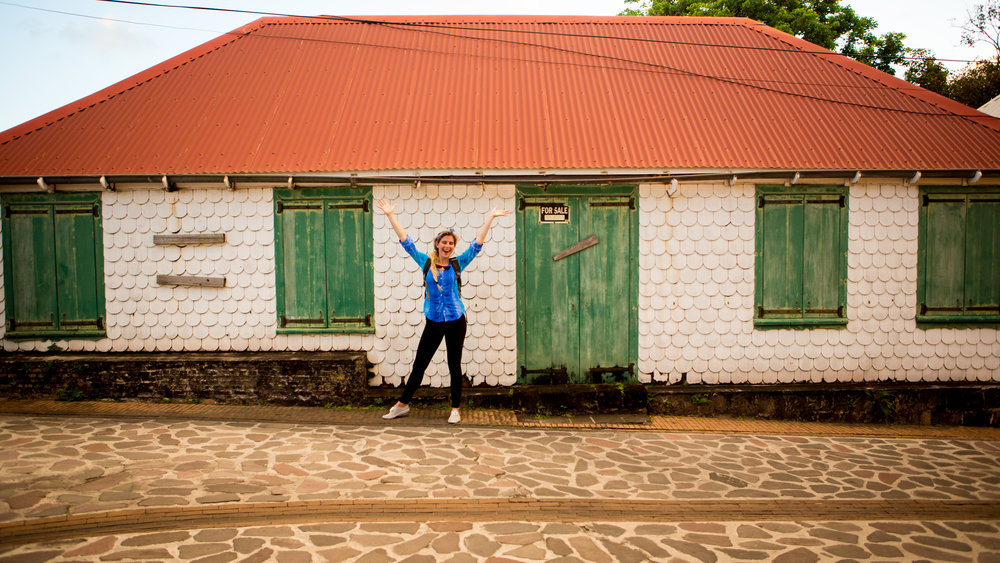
point(349, 291)
point(944, 252)
point(821, 257)
point(303, 265)
point(79, 288)
point(54, 266)
point(781, 274)
point(31, 266)
point(982, 257)
point(323, 254)
point(801, 265)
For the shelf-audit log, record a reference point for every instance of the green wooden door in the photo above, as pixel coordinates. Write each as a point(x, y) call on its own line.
point(576, 315)
point(606, 274)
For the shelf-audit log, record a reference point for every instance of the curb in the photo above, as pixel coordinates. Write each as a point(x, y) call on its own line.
point(483, 418)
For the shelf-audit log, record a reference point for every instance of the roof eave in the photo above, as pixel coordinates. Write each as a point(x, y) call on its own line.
point(168, 181)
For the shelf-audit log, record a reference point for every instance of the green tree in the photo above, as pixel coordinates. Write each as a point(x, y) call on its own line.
point(976, 84)
point(923, 69)
point(983, 25)
point(979, 81)
point(826, 23)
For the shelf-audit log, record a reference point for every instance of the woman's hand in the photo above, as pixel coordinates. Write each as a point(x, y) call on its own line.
point(385, 206)
point(495, 212)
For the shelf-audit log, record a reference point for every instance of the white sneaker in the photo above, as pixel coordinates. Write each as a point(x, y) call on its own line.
point(455, 418)
point(396, 411)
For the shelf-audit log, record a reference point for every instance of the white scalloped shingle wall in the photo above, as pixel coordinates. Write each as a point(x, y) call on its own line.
point(696, 296)
point(488, 285)
point(144, 316)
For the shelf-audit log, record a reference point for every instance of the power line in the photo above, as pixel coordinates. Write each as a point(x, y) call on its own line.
point(398, 25)
point(102, 18)
point(440, 30)
point(522, 31)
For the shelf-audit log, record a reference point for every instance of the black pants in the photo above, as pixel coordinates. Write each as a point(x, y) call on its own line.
point(453, 333)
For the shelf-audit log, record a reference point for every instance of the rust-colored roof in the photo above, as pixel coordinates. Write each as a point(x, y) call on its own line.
point(312, 95)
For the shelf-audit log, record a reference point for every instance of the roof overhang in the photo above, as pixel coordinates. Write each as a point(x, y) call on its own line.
point(174, 181)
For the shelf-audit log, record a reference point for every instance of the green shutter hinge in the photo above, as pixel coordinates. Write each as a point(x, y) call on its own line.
point(279, 207)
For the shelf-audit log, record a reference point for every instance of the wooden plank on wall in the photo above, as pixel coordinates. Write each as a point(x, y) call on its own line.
point(203, 238)
point(192, 280)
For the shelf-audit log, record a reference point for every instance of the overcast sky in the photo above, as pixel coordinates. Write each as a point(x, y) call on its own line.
point(50, 59)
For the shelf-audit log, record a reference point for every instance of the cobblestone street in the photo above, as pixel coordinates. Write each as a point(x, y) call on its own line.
point(105, 489)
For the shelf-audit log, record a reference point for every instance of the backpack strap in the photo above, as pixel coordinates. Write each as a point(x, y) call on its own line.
point(458, 273)
point(454, 264)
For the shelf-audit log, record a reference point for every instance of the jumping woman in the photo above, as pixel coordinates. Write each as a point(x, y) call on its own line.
point(443, 309)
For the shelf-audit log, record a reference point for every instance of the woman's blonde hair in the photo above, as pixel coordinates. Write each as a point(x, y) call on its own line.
point(434, 251)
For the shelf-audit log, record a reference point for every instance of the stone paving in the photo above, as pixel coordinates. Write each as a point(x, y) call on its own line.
point(413, 542)
point(57, 466)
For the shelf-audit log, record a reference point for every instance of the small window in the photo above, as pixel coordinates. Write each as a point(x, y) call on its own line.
point(959, 262)
point(323, 252)
point(801, 263)
point(53, 260)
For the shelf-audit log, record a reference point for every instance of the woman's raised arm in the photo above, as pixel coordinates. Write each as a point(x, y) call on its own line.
point(388, 208)
point(496, 212)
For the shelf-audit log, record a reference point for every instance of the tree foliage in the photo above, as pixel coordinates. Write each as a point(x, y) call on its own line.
point(826, 23)
point(978, 82)
point(983, 25)
point(925, 71)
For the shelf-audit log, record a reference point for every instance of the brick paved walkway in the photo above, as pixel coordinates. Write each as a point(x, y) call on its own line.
point(105, 481)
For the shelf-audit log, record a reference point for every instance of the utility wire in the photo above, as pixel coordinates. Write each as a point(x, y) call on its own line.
point(102, 18)
point(522, 31)
point(410, 26)
point(422, 27)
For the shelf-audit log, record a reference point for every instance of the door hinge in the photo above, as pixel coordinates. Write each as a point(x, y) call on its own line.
point(365, 320)
point(363, 206)
point(284, 321)
point(630, 203)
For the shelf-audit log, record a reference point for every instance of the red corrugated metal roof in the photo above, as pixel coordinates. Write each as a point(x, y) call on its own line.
point(299, 95)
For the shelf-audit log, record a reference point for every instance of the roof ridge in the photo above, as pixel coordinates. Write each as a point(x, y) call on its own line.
point(127, 84)
point(520, 19)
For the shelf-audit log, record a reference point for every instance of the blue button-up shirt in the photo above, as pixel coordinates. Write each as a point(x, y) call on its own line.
point(443, 302)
